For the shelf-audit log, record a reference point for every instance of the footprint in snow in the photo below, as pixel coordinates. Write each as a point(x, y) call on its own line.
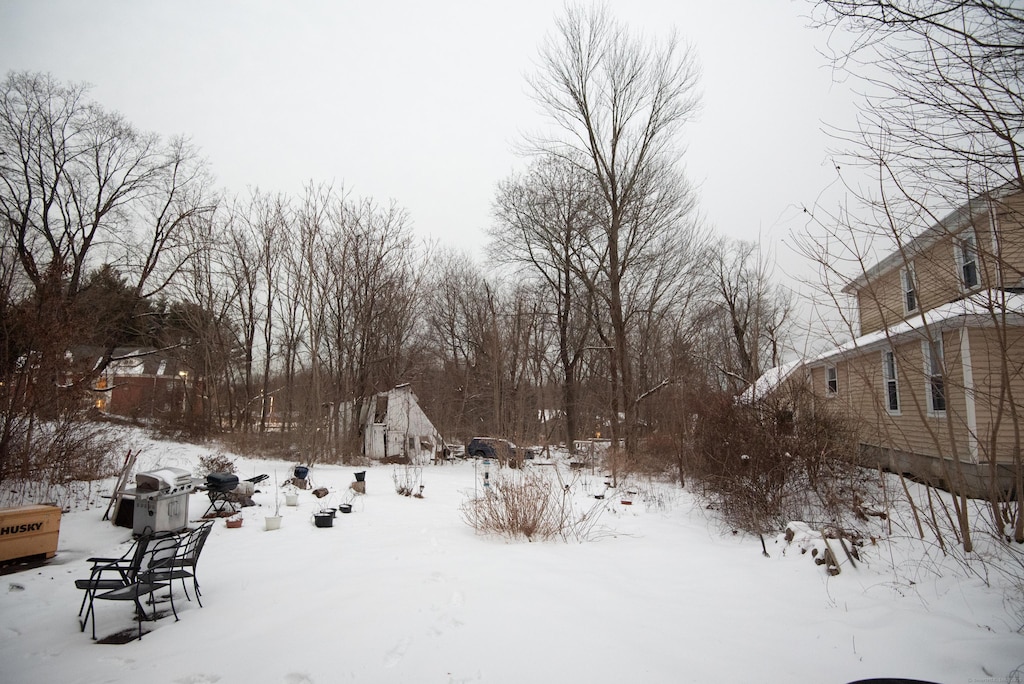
point(395, 655)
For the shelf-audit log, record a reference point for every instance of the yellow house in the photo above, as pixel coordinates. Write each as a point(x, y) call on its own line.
point(935, 378)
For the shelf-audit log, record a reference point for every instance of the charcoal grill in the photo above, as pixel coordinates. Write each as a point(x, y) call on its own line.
point(219, 487)
point(161, 500)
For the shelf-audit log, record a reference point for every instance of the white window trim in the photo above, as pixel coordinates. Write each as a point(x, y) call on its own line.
point(997, 252)
point(909, 277)
point(961, 260)
point(829, 392)
point(969, 398)
point(886, 380)
point(930, 372)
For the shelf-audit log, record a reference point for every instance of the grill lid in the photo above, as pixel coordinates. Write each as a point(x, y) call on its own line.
point(161, 479)
point(221, 482)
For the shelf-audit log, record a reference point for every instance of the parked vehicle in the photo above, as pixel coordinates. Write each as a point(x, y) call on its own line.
point(501, 450)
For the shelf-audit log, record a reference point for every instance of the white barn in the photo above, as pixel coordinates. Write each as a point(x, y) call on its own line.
point(395, 426)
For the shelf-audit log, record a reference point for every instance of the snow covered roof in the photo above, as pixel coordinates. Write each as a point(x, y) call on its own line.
point(978, 309)
point(769, 381)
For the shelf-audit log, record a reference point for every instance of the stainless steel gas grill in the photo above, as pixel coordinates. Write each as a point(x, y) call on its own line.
point(161, 500)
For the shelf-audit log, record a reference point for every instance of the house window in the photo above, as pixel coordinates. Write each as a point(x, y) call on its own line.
point(831, 381)
point(967, 260)
point(908, 279)
point(412, 444)
point(936, 389)
point(892, 390)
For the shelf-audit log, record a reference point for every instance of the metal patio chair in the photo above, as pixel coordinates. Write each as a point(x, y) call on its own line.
point(183, 566)
point(111, 573)
point(144, 575)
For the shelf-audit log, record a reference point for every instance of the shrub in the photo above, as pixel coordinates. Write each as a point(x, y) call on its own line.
point(765, 464)
point(526, 504)
point(61, 451)
point(216, 463)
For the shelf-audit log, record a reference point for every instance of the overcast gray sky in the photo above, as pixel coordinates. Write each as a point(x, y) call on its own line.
point(421, 102)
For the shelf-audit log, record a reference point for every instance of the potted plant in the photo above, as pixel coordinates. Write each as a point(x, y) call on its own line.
point(273, 522)
point(291, 495)
point(234, 521)
point(323, 519)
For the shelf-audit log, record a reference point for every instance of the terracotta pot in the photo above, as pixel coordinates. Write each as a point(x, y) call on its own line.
point(233, 522)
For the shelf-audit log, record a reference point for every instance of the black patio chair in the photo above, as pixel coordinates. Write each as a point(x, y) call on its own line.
point(184, 564)
point(145, 575)
point(111, 573)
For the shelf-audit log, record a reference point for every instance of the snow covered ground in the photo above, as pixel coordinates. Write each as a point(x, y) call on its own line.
point(403, 590)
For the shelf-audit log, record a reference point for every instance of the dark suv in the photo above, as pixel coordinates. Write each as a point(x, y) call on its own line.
point(501, 450)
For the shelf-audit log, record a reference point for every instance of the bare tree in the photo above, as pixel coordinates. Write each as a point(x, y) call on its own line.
point(374, 313)
point(619, 103)
point(79, 188)
point(544, 220)
point(944, 111)
point(252, 266)
point(755, 311)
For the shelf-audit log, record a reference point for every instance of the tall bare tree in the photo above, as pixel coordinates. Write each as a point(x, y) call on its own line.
point(544, 220)
point(618, 103)
point(256, 233)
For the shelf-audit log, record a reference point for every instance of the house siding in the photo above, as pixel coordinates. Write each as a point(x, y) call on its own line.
point(1000, 260)
point(1008, 214)
point(975, 441)
point(880, 302)
point(978, 438)
point(998, 354)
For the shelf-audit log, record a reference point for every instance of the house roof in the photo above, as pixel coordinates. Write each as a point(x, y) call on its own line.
point(769, 381)
point(978, 309)
point(143, 361)
point(954, 222)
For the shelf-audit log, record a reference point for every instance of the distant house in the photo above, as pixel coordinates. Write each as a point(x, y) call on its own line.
point(140, 383)
point(394, 426)
point(935, 378)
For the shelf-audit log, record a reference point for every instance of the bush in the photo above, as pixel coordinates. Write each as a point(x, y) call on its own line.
point(57, 461)
point(526, 504)
point(765, 464)
point(216, 463)
point(61, 451)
